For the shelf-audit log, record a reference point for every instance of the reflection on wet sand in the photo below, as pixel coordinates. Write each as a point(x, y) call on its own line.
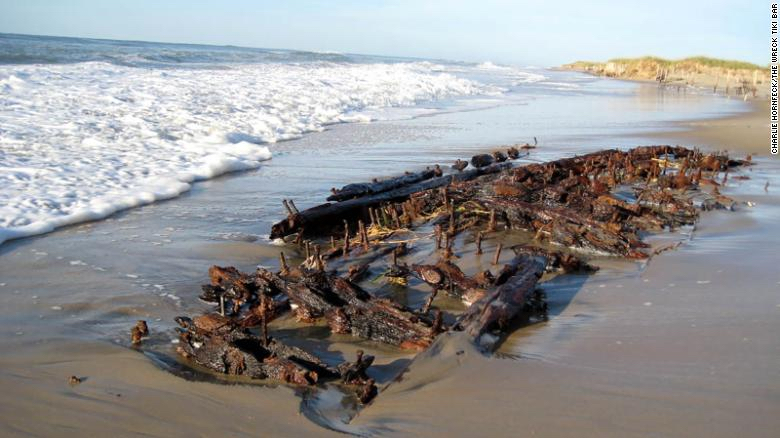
point(681, 346)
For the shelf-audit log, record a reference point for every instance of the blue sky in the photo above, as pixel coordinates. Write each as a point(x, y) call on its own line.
point(543, 33)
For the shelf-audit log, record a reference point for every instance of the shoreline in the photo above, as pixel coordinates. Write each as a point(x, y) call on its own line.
point(605, 364)
point(746, 132)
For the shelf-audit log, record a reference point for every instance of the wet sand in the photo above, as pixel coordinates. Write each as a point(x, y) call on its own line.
point(747, 132)
point(684, 345)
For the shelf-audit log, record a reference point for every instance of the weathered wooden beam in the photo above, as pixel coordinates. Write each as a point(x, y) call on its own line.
point(499, 307)
point(357, 190)
point(324, 218)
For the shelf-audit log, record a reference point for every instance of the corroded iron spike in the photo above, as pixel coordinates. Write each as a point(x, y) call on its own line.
point(287, 207)
point(294, 208)
point(492, 223)
point(346, 239)
point(396, 220)
point(438, 322)
point(264, 318)
point(429, 301)
point(318, 256)
point(362, 234)
point(498, 254)
point(452, 217)
point(284, 270)
point(448, 246)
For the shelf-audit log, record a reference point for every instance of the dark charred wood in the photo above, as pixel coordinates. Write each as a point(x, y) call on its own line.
point(482, 160)
point(351, 191)
point(499, 307)
point(460, 165)
point(357, 272)
point(384, 321)
point(444, 273)
point(367, 392)
point(499, 157)
point(568, 228)
point(240, 286)
point(138, 332)
point(557, 261)
point(350, 309)
point(354, 373)
point(275, 307)
point(323, 219)
point(571, 202)
point(238, 352)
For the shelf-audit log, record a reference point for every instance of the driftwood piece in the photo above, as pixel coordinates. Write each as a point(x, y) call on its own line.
point(447, 276)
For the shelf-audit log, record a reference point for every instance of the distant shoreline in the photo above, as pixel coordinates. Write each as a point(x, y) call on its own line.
point(746, 132)
point(730, 78)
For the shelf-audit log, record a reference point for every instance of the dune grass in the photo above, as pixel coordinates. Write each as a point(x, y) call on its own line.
point(685, 62)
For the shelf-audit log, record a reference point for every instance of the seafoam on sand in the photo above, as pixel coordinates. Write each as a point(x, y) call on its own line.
point(82, 141)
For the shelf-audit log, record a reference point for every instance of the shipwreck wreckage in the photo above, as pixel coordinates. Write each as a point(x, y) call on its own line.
point(569, 210)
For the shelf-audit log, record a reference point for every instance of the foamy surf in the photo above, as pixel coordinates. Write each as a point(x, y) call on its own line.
point(84, 140)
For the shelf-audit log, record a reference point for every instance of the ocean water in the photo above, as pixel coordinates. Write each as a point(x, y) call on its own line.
point(91, 127)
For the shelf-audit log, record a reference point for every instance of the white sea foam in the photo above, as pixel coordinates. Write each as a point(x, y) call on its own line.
point(523, 77)
point(81, 141)
point(488, 65)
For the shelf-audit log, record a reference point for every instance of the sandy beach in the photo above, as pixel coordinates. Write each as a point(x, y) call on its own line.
point(748, 132)
point(682, 345)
